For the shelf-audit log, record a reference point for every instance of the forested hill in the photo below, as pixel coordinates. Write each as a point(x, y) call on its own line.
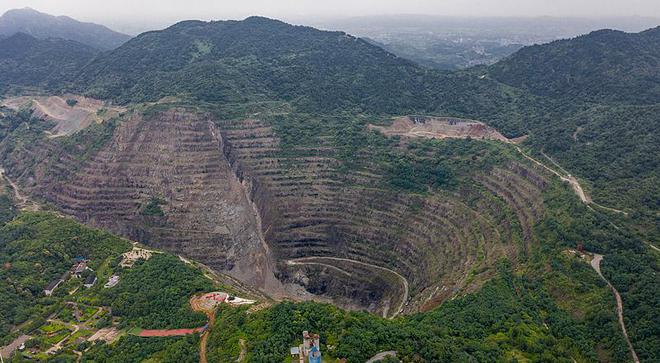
point(254, 59)
point(603, 66)
point(29, 62)
point(262, 59)
point(607, 85)
point(43, 26)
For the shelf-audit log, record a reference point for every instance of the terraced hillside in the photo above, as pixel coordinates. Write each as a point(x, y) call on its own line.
point(337, 229)
point(229, 194)
point(163, 180)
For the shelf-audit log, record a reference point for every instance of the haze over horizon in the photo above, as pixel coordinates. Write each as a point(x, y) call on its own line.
point(130, 17)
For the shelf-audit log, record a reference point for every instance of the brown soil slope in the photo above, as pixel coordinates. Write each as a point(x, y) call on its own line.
point(174, 156)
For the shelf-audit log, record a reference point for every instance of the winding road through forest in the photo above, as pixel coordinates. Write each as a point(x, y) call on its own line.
point(595, 263)
point(570, 179)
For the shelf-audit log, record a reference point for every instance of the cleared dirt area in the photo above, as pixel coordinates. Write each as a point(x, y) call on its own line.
point(169, 332)
point(106, 334)
point(441, 128)
point(9, 349)
point(129, 258)
point(70, 117)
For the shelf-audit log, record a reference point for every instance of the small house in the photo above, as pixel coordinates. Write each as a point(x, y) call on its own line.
point(50, 288)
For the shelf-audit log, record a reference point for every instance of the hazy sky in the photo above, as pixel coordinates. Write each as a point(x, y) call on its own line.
point(168, 11)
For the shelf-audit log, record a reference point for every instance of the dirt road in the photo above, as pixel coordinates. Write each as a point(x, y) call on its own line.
point(210, 313)
point(382, 355)
point(570, 179)
point(17, 194)
point(205, 338)
point(243, 353)
point(22, 202)
point(595, 263)
point(404, 281)
point(652, 246)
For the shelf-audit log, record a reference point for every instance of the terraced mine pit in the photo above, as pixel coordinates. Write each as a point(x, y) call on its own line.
point(224, 193)
point(70, 113)
point(310, 211)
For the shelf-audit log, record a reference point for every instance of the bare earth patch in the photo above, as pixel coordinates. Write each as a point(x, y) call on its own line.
point(170, 332)
point(70, 117)
point(442, 128)
point(106, 334)
point(129, 258)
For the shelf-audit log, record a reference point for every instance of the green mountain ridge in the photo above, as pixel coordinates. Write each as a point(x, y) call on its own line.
point(602, 66)
point(253, 59)
point(26, 61)
point(260, 59)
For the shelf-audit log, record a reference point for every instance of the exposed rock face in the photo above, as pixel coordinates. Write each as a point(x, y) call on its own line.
point(176, 157)
point(231, 199)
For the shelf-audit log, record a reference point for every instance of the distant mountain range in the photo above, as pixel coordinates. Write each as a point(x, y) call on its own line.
point(43, 26)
